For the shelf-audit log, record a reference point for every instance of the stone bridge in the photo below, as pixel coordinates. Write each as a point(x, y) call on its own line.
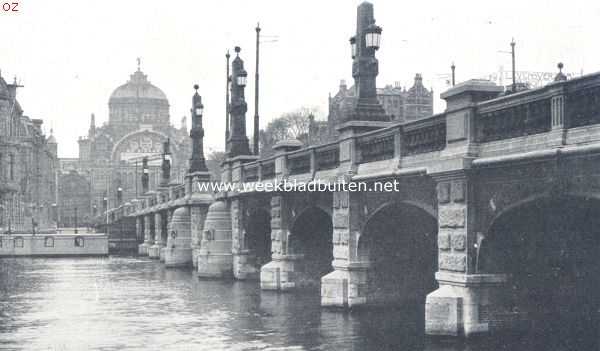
point(493, 225)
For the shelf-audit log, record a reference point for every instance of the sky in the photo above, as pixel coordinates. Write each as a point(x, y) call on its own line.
point(71, 54)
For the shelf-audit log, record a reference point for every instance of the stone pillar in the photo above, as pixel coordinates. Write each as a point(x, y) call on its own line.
point(166, 217)
point(147, 235)
point(463, 304)
point(154, 251)
point(140, 233)
point(558, 115)
point(215, 259)
point(346, 286)
point(198, 217)
point(178, 252)
point(244, 267)
point(279, 274)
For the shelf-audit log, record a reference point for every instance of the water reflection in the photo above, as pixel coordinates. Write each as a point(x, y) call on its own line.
point(126, 303)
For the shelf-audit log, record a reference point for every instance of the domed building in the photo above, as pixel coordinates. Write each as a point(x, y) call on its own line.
point(110, 156)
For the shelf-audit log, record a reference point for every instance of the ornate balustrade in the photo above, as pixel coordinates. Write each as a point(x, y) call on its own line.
point(424, 136)
point(298, 163)
point(524, 119)
point(268, 170)
point(583, 106)
point(375, 147)
point(250, 173)
point(327, 157)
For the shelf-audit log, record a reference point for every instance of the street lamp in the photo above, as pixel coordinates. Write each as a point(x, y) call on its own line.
point(76, 220)
point(353, 46)
point(373, 36)
point(242, 78)
point(119, 195)
point(199, 108)
point(55, 214)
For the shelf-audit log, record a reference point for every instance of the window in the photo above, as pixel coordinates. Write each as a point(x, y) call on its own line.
point(49, 241)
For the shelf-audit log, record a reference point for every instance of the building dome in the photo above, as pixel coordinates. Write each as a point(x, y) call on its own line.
point(137, 103)
point(138, 87)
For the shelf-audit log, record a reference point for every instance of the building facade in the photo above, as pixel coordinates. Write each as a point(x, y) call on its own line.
point(28, 164)
point(400, 104)
point(110, 155)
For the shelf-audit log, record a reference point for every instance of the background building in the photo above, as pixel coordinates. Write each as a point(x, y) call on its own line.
point(400, 104)
point(110, 156)
point(28, 163)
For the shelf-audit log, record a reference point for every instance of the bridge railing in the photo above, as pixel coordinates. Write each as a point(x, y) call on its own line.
point(564, 104)
point(397, 140)
point(583, 101)
point(510, 117)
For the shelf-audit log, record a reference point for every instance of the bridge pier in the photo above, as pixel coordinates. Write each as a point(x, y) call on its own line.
point(198, 216)
point(140, 233)
point(178, 251)
point(346, 286)
point(154, 250)
point(243, 260)
point(215, 259)
point(148, 241)
point(466, 303)
point(281, 273)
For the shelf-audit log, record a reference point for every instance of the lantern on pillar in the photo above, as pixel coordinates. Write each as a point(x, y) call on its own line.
point(373, 36)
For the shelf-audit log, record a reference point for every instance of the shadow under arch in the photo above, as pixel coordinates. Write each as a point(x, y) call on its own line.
point(257, 237)
point(548, 245)
point(399, 243)
point(310, 239)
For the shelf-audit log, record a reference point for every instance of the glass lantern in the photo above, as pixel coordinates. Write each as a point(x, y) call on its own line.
point(353, 46)
point(373, 37)
point(199, 110)
point(242, 79)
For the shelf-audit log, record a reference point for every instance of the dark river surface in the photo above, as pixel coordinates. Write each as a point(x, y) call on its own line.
point(129, 303)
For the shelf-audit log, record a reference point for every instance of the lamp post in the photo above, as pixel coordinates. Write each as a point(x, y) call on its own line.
point(55, 214)
point(238, 141)
point(228, 81)
point(365, 66)
point(197, 162)
point(256, 118)
point(119, 195)
point(145, 176)
point(75, 210)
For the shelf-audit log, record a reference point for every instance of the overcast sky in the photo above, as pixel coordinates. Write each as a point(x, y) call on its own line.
point(71, 54)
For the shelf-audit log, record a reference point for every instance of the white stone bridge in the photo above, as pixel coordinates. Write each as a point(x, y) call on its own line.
point(494, 225)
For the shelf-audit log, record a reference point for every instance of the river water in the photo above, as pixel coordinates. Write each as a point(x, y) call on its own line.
point(130, 303)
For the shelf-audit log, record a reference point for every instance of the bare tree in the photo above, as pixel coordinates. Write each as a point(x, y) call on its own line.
point(291, 125)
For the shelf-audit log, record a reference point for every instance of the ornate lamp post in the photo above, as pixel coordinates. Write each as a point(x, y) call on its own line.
point(55, 214)
point(145, 176)
point(75, 210)
point(365, 67)
point(197, 162)
point(238, 141)
point(119, 195)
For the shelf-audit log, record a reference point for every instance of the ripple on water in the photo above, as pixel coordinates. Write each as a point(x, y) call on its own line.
point(127, 303)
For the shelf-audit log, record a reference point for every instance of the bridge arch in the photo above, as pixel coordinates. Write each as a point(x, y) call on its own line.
point(548, 245)
point(310, 240)
point(399, 245)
